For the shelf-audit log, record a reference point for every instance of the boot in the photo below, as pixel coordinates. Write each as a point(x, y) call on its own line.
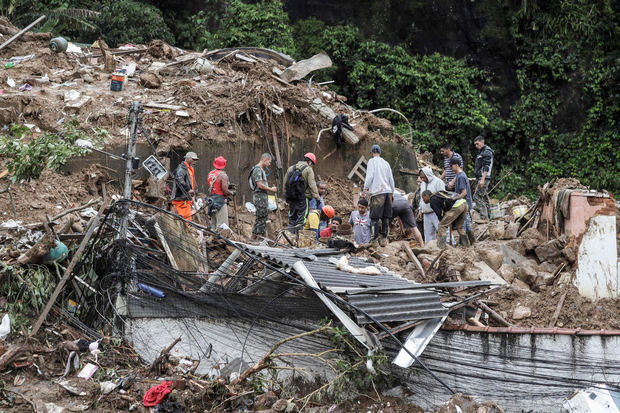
point(441, 241)
point(471, 237)
point(463, 240)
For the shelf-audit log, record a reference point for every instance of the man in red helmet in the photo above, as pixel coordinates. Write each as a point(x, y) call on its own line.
point(300, 187)
point(218, 191)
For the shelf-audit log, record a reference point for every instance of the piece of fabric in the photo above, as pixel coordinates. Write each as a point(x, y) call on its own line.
point(156, 394)
point(297, 211)
point(455, 218)
point(446, 166)
point(258, 175)
point(214, 183)
point(261, 202)
point(379, 179)
point(182, 182)
point(218, 201)
point(434, 184)
point(462, 182)
point(431, 224)
point(484, 162)
point(184, 209)
point(402, 209)
point(326, 233)
point(361, 227)
point(481, 198)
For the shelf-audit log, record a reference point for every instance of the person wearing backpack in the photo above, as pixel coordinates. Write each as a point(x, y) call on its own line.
point(258, 185)
point(218, 191)
point(299, 188)
point(451, 210)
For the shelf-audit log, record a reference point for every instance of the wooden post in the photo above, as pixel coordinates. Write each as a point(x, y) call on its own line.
point(21, 32)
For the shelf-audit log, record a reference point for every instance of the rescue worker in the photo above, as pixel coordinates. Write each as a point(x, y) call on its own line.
point(258, 184)
point(218, 191)
point(184, 186)
point(316, 216)
point(300, 187)
point(451, 212)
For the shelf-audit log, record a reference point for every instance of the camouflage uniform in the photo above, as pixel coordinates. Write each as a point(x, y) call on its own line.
point(261, 202)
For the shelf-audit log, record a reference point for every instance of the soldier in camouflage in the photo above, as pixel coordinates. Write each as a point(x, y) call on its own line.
point(258, 184)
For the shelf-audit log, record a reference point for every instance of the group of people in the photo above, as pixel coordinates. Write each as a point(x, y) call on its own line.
point(440, 203)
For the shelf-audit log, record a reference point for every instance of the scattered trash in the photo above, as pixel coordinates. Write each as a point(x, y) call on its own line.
point(10, 82)
point(118, 79)
point(57, 254)
point(21, 59)
point(107, 387)
point(5, 326)
point(156, 394)
point(25, 87)
point(87, 371)
point(90, 211)
point(18, 380)
point(250, 207)
point(9, 65)
point(151, 290)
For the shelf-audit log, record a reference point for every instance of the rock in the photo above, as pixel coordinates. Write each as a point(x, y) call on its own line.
point(510, 256)
point(520, 312)
point(511, 230)
point(161, 49)
point(426, 260)
point(547, 267)
point(569, 254)
point(265, 400)
point(496, 229)
point(533, 233)
point(527, 272)
point(542, 278)
point(279, 405)
point(549, 250)
point(492, 257)
point(530, 244)
point(517, 245)
point(481, 271)
point(518, 284)
point(291, 407)
point(150, 80)
point(564, 278)
point(507, 272)
point(398, 392)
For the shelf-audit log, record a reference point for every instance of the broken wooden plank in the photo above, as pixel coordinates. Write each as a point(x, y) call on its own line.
point(21, 32)
point(156, 105)
point(558, 309)
point(186, 257)
point(164, 243)
point(413, 258)
point(494, 314)
point(94, 222)
point(359, 162)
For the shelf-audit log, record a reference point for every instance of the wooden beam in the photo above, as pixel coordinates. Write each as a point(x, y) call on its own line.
point(21, 32)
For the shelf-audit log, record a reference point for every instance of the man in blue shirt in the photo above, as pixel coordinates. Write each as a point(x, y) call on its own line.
point(463, 189)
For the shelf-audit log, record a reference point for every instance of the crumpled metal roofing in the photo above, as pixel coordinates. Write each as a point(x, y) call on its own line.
point(403, 306)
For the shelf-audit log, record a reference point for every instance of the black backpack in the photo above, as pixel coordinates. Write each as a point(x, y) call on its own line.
point(295, 187)
point(250, 180)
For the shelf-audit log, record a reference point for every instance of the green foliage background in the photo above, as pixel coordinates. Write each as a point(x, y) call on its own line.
point(565, 58)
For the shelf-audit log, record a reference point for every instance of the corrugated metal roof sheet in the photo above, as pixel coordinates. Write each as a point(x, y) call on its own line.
point(414, 305)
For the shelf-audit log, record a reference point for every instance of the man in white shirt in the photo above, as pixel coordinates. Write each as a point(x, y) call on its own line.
point(380, 184)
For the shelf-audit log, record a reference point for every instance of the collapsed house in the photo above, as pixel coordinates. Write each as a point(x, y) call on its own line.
point(497, 321)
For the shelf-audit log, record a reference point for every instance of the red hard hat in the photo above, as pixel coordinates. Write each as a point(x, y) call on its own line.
point(311, 156)
point(328, 210)
point(219, 162)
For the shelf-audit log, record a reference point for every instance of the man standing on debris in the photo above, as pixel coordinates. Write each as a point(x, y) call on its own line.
point(401, 208)
point(258, 184)
point(300, 187)
point(184, 186)
point(483, 168)
point(380, 184)
point(433, 184)
point(451, 212)
point(219, 191)
point(463, 190)
point(447, 175)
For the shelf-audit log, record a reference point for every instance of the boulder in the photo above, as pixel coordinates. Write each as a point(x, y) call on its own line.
point(569, 254)
point(533, 233)
point(547, 267)
point(481, 271)
point(549, 250)
point(520, 312)
point(492, 257)
point(527, 272)
point(511, 256)
point(507, 272)
point(517, 245)
point(518, 284)
point(150, 80)
point(530, 244)
point(543, 278)
point(511, 230)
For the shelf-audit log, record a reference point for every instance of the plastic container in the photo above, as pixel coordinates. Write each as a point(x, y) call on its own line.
point(9, 65)
point(57, 253)
point(519, 211)
point(59, 44)
point(118, 79)
point(494, 211)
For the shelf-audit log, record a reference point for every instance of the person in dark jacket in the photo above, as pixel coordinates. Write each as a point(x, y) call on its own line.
point(451, 212)
point(184, 186)
point(339, 122)
point(483, 172)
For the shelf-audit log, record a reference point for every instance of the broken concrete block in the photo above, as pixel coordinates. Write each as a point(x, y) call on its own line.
point(547, 267)
point(510, 256)
point(517, 245)
point(530, 244)
point(520, 312)
point(543, 278)
point(496, 229)
point(527, 272)
point(511, 230)
point(549, 250)
point(150, 80)
point(507, 272)
point(533, 233)
point(481, 271)
point(492, 257)
point(517, 283)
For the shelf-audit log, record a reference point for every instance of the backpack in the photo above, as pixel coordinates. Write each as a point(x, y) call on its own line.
point(448, 195)
point(295, 187)
point(250, 180)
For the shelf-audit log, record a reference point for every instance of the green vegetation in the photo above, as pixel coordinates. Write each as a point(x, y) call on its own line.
point(553, 113)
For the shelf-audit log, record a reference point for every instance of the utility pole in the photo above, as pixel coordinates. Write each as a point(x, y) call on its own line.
point(133, 120)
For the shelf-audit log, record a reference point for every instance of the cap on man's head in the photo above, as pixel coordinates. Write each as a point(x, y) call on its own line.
point(375, 149)
point(191, 155)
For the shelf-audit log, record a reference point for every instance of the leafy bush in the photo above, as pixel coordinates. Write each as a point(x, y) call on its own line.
point(129, 21)
point(27, 156)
